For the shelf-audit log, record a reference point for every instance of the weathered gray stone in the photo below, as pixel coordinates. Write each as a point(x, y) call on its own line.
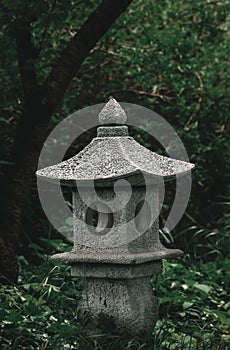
point(118, 306)
point(118, 298)
point(113, 154)
point(116, 231)
point(96, 257)
point(112, 113)
point(113, 157)
point(125, 236)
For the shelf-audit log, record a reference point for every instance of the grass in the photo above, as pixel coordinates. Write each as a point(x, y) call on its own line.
point(40, 312)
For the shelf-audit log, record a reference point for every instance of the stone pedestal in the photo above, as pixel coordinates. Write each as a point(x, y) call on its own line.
point(118, 297)
point(118, 300)
point(118, 306)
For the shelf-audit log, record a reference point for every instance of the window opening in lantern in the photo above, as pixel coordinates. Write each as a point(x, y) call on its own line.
point(99, 218)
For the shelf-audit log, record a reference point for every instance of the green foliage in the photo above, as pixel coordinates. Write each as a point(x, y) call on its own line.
point(195, 299)
point(204, 243)
point(40, 312)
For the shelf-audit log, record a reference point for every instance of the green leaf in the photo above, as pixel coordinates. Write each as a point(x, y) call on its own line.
point(202, 287)
point(187, 305)
point(222, 317)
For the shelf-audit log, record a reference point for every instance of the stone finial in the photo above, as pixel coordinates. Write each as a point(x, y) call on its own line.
point(112, 113)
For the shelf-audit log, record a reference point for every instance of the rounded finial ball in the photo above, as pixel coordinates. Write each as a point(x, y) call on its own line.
point(112, 113)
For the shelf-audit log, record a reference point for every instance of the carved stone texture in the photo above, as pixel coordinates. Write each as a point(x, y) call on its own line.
point(118, 299)
point(116, 231)
point(112, 113)
point(114, 154)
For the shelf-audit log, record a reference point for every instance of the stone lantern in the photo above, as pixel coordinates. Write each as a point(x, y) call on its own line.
point(115, 185)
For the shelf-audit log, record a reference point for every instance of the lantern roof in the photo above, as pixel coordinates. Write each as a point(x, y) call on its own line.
point(114, 154)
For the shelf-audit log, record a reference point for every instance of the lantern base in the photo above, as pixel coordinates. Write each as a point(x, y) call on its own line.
point(118, 297)
point(118, 307)
point(118, 303)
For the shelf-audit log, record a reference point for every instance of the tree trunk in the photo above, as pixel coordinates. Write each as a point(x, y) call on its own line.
point(40, 104)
